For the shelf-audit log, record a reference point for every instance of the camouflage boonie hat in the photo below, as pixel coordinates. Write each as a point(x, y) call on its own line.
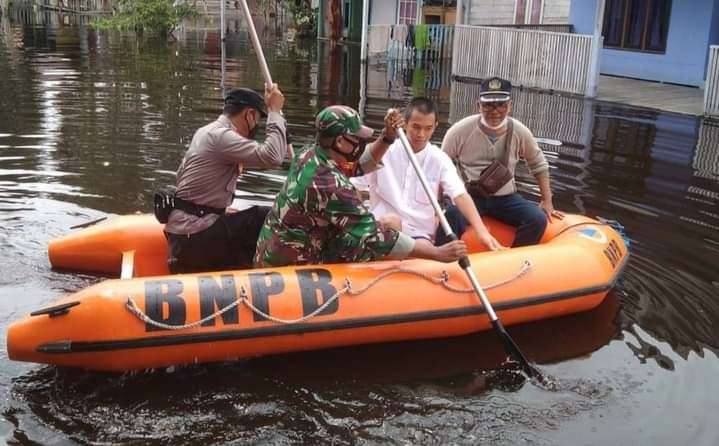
point(338, 120)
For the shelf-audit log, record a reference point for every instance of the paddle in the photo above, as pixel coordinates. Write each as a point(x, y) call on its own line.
point(260, 54)
point(509, 345)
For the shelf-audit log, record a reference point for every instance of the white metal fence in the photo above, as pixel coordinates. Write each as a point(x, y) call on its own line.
point(423, 42)
point(535, 59)
point(706, 155)
point(711, 87)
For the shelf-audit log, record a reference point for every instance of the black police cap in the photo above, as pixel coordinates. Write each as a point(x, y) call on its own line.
point(495, 89)
point(248, 98)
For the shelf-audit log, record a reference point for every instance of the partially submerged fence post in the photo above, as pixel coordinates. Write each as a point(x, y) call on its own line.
point(597, 44)
point(711, 84)
point(593, 75)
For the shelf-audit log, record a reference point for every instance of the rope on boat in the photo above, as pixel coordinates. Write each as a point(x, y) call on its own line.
point(244, 299)
point(131, 305)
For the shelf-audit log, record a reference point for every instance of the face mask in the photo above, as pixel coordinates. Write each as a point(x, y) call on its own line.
point(348, 168)
point(496, 127)
point(350, 165)
point(356, 152)
point(253, 131)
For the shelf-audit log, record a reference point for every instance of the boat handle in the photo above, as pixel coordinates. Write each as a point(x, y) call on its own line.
point(57, 310)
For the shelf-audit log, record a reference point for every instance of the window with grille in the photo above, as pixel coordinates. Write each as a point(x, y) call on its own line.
point(407, 12)
point(637, 25)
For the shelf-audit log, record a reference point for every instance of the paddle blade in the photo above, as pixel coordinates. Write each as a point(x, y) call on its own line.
point(511, 347)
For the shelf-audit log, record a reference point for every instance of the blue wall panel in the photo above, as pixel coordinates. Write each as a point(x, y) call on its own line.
point(692, 25)
point(714, 32)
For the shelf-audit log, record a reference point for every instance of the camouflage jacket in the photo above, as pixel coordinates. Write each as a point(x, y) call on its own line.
point(318, 217)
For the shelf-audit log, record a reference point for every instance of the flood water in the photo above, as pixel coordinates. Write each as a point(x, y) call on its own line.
point(91, 123)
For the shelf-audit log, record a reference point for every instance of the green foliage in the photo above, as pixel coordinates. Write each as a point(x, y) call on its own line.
point(151, 16)
point(305, 19)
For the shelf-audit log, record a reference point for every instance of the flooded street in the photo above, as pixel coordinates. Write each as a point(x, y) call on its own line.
point(91, 123)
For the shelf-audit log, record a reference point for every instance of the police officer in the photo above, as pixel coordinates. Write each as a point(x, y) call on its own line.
point(202, 234)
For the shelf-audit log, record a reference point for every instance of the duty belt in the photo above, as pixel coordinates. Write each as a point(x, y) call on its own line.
point(196, 209)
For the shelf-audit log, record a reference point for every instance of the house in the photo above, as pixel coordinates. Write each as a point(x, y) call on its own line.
point(411, 12)
point(657, 40)
point(342, 19)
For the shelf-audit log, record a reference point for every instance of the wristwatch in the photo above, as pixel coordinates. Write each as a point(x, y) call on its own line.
point(385, 139)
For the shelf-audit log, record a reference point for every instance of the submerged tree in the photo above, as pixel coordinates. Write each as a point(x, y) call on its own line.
point(305, 17)
point(152, 16)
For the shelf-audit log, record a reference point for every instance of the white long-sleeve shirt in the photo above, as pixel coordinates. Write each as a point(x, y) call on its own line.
point(396, 189)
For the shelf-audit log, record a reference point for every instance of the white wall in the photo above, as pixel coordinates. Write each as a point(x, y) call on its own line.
point(383, 12)
point(501, 12)
point(556, 11)
point(491, 12)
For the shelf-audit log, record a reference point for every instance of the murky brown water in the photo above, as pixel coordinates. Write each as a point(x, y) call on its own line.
point(91, 123)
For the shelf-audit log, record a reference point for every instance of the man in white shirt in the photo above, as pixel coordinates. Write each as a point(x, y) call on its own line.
point(395, 189)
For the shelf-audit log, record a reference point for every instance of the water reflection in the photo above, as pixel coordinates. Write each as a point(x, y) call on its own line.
point(421, 78)
point(706, 156)
point(91, 123)
point(32, 14)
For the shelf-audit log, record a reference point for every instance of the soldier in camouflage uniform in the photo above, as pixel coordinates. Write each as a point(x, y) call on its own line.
point(319, 217)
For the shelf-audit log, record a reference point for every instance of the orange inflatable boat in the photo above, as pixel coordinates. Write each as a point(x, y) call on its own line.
point(149, 319)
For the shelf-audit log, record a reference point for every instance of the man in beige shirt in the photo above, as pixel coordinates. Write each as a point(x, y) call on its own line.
point(202, 236)
point(477, 141)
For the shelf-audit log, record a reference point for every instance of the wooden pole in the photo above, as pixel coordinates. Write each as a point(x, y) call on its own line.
point(222, 20)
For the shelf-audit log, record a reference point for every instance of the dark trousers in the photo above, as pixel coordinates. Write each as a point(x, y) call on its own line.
point(512, 209)
point(229, 243)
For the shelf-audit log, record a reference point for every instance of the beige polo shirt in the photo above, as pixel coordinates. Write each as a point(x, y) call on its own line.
point(208, 172)
point(466, 143)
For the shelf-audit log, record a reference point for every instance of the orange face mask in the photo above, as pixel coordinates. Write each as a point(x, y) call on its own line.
point(350, 165)
point(348, 168)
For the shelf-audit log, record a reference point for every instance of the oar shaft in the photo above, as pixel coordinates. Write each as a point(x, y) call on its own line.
point(256, 43)
point(445, 224)
point(509, 344)
point(480, 292)
point(260, 56)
